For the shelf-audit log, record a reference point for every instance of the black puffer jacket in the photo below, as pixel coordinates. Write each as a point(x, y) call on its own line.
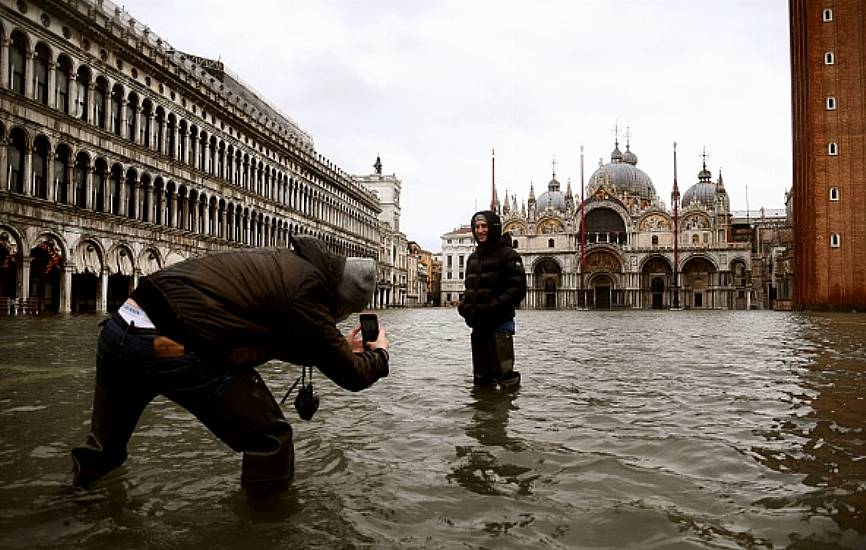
point(250, 306)
point(495, 280)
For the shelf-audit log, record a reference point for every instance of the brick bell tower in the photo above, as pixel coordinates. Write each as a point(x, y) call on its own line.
point(828, 87)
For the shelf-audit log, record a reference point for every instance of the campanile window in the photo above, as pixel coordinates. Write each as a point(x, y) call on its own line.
point(834, 194)
point(827, 15)
point(831, 103)
point(835, 240)
point(832, 149)
point(829, 59)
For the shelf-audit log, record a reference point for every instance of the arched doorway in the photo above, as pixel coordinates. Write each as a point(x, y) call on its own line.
point(46, 267)
point(9, 262)
point(658, 292)
point(601, 291)
point(603, 265)
point(86, 283)
point(548, 278)
point(698, 281)
point(656, 277)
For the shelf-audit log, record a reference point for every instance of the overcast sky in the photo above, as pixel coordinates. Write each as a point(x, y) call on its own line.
point(433, 86)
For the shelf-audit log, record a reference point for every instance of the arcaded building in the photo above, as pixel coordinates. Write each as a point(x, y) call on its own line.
point(120, 155)
point(828, 86)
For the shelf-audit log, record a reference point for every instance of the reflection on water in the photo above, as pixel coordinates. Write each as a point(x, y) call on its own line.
point(632, 429)
point(824, 441)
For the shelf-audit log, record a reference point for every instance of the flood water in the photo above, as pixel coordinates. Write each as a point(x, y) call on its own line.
point(688, 429)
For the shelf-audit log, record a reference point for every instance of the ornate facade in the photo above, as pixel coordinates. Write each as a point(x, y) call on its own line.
point(620, 247)
point(120, 155)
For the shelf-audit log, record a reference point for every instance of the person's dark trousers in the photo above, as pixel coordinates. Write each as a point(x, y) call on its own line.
point(493, 358)
point(135, 365)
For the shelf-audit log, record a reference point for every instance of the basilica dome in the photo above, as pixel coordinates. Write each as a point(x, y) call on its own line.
point(552, 198)
point(703, 192)
point(624, 175)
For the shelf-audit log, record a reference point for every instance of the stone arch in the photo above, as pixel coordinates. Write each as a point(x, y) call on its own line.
point(149, 261)
point(698, 276)
point(120, 264)
point(606, 224)
point(42, 59)
point(19, 47)
point(63, 73)
point(62, 170)
point(40, 158)
point(89, 262)
point(11, 258)
point(547, 276)
point(19, 144)
point(47, 260)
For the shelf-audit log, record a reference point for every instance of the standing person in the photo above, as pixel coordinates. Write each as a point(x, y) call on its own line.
point(495, 285)
point(194, 332)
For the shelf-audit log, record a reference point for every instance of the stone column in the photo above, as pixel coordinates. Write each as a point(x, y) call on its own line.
point(28, 169)
point(4, 63)
point(102, 292)
point(49, 176)
point(123, 120)
point(66, 290)
point(136, 125)
point(70, 182)
point(24, 283)
point(89, 193)
point(29, 57)
point(52, 84)
point(88, 106)
point(135, 189)
point(4, 165)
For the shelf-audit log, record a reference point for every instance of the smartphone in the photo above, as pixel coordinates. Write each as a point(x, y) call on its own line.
point(369, 327)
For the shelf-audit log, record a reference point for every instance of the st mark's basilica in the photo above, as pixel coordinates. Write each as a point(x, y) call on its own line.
point(634, 252)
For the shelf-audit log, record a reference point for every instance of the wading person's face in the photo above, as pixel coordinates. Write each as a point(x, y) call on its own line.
point(481, 231)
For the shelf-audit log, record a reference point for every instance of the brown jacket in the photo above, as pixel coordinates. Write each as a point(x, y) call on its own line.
point(253, 305)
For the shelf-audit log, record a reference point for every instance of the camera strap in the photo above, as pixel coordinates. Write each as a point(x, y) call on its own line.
point(302, 378)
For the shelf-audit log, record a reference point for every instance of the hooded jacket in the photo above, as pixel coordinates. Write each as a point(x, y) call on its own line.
point(495, 280)
point(250, 306)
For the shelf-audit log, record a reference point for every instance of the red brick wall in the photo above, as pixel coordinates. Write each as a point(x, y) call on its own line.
point(829, 277)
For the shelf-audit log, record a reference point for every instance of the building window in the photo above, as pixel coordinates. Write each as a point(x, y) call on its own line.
point(655, 240)
point(834, 193)
point(549, 243)
point(514, 243)
point(829, 59)
point(835, 240)
point(831, 103)
point(832, 149)
point(828, 15)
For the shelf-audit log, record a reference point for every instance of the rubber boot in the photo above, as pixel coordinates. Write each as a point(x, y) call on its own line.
point(508, 377)
point(269, 471)
point(112, 422)
point(483, 359)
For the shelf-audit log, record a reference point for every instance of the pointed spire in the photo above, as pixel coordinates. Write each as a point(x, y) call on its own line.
point(568, 194)
point(494, 200)
point(531, 192)
point(675, 193)
point(378, 165)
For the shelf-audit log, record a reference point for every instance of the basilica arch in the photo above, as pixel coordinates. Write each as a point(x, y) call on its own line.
point(700, 284)
point(605, 224)
point(547, 283)
point(656, 282)
point(603, 279)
